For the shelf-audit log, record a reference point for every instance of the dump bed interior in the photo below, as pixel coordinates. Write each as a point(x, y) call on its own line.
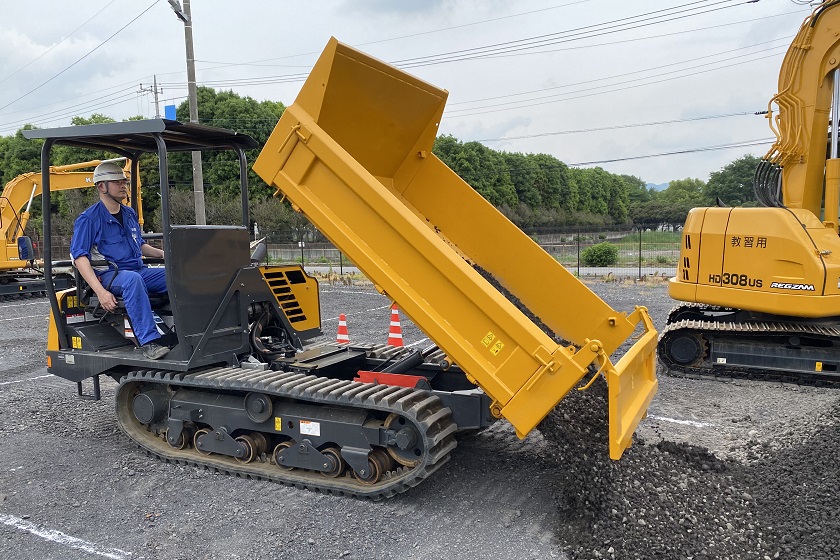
point(354, 154)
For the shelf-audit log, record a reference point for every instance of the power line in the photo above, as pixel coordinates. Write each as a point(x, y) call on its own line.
point(398, 63)
point(291, 78)
point(300, 76)
point(575, 34)
point(80, 59)
point(681, 63)
point(46, 52)
point(743, 144)
point(73, 110)
point(620, 126)
point(595, 91)
point(645, 38)
point(421, 33)
point(681, 67)
point(558, 164)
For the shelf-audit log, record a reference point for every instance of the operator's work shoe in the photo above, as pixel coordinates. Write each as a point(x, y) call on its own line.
point(154, 351)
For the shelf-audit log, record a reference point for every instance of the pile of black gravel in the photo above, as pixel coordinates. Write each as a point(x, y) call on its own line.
point(674, 501)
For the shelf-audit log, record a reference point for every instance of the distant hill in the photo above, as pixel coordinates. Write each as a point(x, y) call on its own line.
point(659, 187)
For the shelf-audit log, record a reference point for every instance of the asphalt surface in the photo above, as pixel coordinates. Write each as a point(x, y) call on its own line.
point(73, 487)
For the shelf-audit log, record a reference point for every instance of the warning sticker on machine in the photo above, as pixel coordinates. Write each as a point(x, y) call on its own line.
point(278, 424)
point(488, 338)
point(308, 428)
point(73, 318)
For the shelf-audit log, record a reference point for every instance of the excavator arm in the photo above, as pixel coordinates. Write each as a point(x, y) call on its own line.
point(807, 85)
point(354, 154)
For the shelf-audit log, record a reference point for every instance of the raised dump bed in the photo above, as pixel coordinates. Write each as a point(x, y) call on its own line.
point(354, 154)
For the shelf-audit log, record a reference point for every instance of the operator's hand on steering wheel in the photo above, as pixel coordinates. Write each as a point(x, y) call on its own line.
point(107, 300)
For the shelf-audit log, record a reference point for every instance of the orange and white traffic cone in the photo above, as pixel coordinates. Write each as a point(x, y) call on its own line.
point(343, 336)
point(395, 331)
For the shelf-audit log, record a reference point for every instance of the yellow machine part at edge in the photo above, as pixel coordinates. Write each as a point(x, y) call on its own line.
point(768, 260)
point(353, 153)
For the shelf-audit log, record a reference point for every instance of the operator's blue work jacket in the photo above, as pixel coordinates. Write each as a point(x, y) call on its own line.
point(96, 235)
point(98, 231)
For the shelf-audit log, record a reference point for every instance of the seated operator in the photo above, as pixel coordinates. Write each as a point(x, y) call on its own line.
point(110, 230)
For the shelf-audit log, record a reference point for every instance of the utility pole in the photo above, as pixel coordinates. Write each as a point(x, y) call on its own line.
point(155, 91)
point(198, 175)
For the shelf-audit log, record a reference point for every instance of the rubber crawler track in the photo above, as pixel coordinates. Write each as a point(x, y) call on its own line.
point(704, 370)
point(432, 420)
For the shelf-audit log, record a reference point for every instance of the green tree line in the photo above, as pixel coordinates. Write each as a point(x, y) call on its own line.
point(533, 190)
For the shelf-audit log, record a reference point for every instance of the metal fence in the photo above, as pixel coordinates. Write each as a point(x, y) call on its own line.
point(641, 253)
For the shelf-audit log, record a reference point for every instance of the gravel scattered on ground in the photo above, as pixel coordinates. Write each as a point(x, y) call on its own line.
point(771, 497)
point(750, 468)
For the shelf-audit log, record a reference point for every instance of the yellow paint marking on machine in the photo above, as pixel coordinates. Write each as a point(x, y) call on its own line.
point(354, 153)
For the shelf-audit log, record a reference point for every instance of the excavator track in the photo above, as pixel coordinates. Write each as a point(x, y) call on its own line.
point(687, 347)
point(697, 312)
point(420, 409)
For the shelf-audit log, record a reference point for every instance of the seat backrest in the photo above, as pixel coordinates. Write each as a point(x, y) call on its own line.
point(201, 266)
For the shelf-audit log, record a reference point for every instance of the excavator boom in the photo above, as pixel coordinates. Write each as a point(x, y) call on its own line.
point(804, 101)
point(354, 154)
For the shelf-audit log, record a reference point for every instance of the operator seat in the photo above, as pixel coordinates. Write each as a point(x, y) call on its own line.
point(89, 301)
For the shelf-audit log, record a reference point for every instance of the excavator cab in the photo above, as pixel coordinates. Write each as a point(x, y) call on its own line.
point(214, 291)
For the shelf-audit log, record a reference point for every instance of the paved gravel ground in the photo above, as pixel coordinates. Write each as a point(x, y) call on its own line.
point(725, 470)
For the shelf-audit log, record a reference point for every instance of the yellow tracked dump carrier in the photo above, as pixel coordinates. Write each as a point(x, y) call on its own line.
point(354, 154)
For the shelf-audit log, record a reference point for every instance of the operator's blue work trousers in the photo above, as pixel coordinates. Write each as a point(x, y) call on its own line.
point(134, 287)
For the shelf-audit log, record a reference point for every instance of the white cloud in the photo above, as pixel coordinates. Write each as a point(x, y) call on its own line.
point(241, 46)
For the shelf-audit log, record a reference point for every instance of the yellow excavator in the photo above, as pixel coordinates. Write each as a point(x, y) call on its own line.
point(762, 285)
point(243, 390)
point(18, 271)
